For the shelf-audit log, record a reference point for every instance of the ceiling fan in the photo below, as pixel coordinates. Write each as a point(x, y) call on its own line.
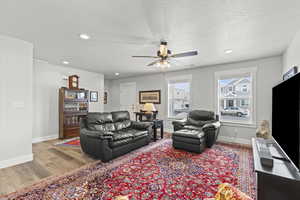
point(165, 56)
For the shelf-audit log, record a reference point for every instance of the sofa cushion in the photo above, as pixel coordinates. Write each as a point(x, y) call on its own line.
point(120, 116)
point(120, 135)
point(116, 143)
point(201, 115)
point(188, 140)
point(109, 127)
point(99, 118)
point(189, 133)
point(191, 127)
point(137, 133)
point(122, 125)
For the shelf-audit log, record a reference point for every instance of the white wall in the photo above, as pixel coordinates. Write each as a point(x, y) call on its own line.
point(48, 79)
point(15, 101)
point(291, 56)
point(202, 91)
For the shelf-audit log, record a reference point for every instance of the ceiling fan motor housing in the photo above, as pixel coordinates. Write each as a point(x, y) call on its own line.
point(163, 43)
point(163, 51)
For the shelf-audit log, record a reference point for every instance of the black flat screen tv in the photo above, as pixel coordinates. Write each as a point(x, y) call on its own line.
point(285, 117)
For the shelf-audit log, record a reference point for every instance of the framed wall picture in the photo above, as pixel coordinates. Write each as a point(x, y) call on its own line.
point(152, 96)
point(105, 97)
point(93, 96)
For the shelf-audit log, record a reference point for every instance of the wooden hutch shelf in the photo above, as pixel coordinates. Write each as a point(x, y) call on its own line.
point(73, 105)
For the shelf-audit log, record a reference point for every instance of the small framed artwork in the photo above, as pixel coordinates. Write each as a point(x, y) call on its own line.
point(290, 73)
point(152, 96)
point(105, 98)
point(93, 96)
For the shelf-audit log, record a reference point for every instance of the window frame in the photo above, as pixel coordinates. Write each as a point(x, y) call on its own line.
point(252, 71)
point(179, 79)
point(245, 87)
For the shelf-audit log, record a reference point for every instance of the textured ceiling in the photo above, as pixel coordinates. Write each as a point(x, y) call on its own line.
point(122, 28)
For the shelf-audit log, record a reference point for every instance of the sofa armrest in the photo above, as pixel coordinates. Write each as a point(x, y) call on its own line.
point(141, 125)
point(96, 134)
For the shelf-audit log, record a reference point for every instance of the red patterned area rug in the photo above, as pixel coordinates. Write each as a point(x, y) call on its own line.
point(73, 142)
point(156, 171)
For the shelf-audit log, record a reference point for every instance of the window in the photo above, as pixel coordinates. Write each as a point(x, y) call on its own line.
point(178, 97)
point(236, 106)
point(245, 88)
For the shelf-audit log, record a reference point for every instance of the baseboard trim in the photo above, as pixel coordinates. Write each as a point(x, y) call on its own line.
point(45, 138)
point(168, 130)
point(234, 140)
point(16, 161)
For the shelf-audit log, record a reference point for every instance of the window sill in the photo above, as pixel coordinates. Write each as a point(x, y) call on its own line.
point(237, 124)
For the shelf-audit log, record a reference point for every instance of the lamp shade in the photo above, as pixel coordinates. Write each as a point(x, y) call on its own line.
point(149, 107)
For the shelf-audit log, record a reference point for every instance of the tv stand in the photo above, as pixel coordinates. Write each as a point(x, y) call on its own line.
point(281, 158)
point(280, 182)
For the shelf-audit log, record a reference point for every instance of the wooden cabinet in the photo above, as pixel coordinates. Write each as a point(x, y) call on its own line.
point(73, 105)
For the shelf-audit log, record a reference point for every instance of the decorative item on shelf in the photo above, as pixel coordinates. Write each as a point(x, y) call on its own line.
point(74, 82)
point(263, 130)
point(81, 95)
point(290, 73)
point(152, 96)
point(93, 96)
point(105, 98)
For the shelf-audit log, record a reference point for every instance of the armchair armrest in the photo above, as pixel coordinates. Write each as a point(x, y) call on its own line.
point(141, 125)
point(96, 134)
point(211, 131)
point(179, 124)
point(211, 126)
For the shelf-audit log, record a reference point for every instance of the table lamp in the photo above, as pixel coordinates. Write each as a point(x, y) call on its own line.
point(149, 107)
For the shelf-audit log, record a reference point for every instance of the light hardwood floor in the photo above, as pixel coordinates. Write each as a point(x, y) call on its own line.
point(48, 160)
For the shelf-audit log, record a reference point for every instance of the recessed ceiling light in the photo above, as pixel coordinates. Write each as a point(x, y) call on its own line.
point(117, 73)
point(66, 62)
point(84, 36)
point(228, 51)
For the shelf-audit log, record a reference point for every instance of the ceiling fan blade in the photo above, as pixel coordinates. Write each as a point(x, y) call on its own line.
point(145, 56)
point(179, 63)
point(175, 62)
point(153, 63)
point(189, 53)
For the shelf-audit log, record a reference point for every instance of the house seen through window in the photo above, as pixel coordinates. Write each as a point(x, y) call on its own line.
point(235, 98)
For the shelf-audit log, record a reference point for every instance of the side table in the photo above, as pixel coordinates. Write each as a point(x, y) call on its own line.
point(157, 123)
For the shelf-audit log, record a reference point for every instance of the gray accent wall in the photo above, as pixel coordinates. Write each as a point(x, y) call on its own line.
point(269, 72)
